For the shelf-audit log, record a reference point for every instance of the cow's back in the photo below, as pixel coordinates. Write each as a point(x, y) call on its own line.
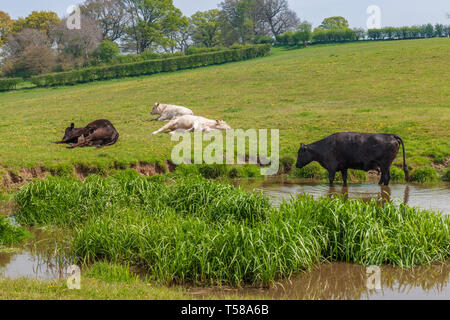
point(361, 150)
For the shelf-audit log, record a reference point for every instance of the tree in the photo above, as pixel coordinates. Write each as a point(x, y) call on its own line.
point(18, 42)
point(439, 30)
point(334, 23)
point(183, 37)
point(179, 37)
point(446, 32)
point(278, 16)
point(206, 28)
point(77, 42)
point(304, 33)
point(375, 34)
point(360, 33)
point(107, 50)
point(38, 20)
point(152, 24)
point(236, 22)
point(429, 31)
point(414, 32)
point(6, 24)
point(33, 60)
point(112, 16)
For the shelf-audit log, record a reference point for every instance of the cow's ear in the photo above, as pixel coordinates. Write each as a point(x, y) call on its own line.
point(72, 126)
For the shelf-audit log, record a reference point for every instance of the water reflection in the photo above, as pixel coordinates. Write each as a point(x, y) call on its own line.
point(434, 197)
point(343, 281)
point(41, 258)
point(383, 196)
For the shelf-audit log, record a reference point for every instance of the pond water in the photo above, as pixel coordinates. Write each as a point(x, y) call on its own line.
point(39, 257)
point(344, 281)
point(436, 197)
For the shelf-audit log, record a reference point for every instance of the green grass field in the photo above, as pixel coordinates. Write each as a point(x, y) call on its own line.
point(397, 87)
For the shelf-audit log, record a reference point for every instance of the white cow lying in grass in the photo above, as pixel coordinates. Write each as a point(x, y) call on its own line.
point(169, 112)
point(193, 124)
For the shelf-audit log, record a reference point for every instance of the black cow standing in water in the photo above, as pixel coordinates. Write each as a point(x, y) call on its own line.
point(360, 151)
point(100, 133)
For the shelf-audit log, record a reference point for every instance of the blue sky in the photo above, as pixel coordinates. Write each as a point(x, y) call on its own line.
point(394, 12)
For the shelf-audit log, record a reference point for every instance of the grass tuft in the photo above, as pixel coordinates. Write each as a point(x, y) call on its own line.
point(425, 175)
point(11, 234)
point(111, 273)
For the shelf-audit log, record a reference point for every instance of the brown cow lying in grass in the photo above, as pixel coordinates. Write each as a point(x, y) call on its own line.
point(100, 133)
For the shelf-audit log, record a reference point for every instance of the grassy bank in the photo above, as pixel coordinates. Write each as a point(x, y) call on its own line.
point(191, 230)
point(91, 289)
point(392, 87)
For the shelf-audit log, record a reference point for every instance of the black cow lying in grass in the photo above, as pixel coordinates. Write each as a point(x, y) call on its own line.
point(360, 151)
point(100, 133)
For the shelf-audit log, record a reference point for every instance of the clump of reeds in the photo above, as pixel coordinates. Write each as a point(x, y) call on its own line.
point(194, 230)
point(11, 234)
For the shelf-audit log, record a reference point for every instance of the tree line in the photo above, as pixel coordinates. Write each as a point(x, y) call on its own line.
point(131, 31)
point(336, 29)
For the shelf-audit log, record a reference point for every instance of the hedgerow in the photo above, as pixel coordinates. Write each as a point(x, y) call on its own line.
point(151, 66)
point(9, 83)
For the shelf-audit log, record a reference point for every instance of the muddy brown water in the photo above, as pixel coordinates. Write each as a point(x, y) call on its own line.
point(333, 281)
point(344, 281)
point(435, 197)
point(39, 258)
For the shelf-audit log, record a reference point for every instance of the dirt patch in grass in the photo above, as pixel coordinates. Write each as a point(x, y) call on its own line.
point(14, 179)
point(22, 176)
point(151, 169)
point(443, 165)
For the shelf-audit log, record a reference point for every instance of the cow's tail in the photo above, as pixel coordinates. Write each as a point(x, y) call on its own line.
point(405, 166)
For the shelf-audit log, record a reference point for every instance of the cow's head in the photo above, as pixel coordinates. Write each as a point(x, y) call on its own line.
point(221, 125)
point(69, 132)
point(305, 156)
point(156, 110)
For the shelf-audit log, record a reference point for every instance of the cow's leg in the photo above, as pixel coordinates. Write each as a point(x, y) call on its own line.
point(345, 176)
point(332, 174)
point(91, 140)
point(170, 126)
point(387, 179)
point(385, 176)
point(85, 143)
point(382, 179)
point(74, 145)
point(182, 131)
point(164, 118)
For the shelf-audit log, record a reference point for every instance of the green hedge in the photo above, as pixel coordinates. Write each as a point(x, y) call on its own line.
point(150, 66)
point(9, 83)
point(413, 32)
point(338, 35)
